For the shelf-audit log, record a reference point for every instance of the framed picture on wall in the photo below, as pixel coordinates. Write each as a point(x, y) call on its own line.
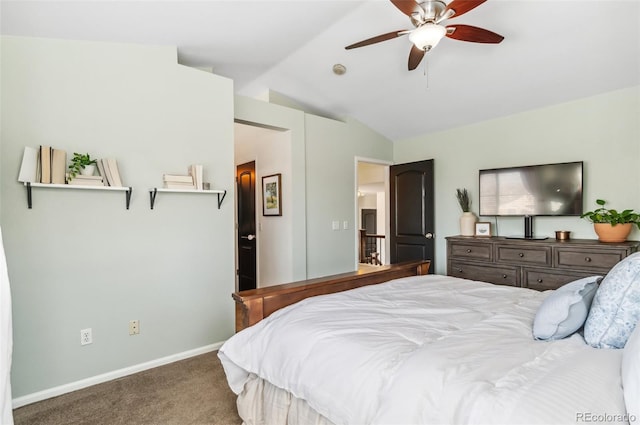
point(483, 229)
point(272, 195)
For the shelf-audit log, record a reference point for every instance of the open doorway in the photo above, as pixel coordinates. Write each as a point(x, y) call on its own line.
point(372, 211)
point(268, 150)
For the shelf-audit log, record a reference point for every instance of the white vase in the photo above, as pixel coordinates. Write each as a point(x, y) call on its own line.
point(88, 170)
point(468, 224)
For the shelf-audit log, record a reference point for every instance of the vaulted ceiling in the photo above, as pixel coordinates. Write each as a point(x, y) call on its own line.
point(553, 52)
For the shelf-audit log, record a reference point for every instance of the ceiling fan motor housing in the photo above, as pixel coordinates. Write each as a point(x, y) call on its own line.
point(427, 11)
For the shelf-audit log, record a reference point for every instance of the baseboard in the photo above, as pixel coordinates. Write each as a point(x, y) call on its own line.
point(109, 376)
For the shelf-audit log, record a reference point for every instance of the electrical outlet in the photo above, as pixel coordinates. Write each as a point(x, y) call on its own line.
point(134, 327)
point(85, 336)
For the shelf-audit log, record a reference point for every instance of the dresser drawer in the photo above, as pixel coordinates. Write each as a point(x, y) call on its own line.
point(478, 251)
point(543, 279)
point(586, 259)
point(523, 254)
point(484, 272)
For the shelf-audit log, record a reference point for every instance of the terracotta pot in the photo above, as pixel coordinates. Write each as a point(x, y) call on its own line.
point(608, 233)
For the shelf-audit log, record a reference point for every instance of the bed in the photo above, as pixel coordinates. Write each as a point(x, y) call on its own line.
point(416, 348)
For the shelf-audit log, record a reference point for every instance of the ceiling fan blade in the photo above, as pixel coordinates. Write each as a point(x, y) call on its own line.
point(406, 6)
point(415, 57)
point(460, 7)
point(473, 34)
point(377, 39)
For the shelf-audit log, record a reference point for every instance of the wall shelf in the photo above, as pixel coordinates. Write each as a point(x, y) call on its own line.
point(154, 191)
point(30, 185)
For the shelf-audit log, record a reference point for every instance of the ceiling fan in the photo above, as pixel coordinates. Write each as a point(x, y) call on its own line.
point(426, 17)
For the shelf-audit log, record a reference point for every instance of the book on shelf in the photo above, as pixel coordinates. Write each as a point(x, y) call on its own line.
point(108, 168)
point(196, 170)
point(101, 171)
point(177, 178)
point(58, 166)
point(81, 180)
point(85, 177)
point(45, 164)
point(115, 173)
point(179, 186)
point(29, 167)
point(107, 172)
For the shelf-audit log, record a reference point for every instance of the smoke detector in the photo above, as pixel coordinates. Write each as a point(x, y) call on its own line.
point(339, 69)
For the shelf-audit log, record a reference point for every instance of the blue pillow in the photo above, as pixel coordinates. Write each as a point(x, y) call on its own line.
point(616, 306)
point(565, 310)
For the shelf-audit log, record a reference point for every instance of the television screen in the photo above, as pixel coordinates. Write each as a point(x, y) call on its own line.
point(550, 189)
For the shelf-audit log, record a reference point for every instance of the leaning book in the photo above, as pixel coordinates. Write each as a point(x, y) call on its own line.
point(112, 170)
point(29, 168)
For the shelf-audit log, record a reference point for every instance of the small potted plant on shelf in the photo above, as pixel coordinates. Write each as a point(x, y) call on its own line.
point(611, 225)
point(468, 219)
point(81, 164)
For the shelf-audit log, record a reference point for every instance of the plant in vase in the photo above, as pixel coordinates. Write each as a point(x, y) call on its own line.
point(468, 219)
point(611, 225)
point(81, 164)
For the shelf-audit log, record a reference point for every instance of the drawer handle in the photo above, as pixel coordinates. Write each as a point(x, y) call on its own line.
point(539, 280)
point(459, 270)
point(468, 250)
point(504, 276)
point(587, 259)
point(521, 255)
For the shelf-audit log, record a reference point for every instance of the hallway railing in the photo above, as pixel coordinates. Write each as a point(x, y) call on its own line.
point(371, 248)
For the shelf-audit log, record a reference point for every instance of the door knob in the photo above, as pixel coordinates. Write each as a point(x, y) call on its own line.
point(429, 235)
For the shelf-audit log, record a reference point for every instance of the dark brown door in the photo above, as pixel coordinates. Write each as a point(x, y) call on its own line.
point(369, 222)
point(411, 212)
point(246, 181)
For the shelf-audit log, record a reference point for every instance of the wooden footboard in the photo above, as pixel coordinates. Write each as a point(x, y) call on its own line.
point(256, 304)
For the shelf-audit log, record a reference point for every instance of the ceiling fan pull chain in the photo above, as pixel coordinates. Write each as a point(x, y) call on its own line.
point(426, 72)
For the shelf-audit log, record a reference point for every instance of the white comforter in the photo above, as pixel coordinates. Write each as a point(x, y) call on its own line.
point(427, 350)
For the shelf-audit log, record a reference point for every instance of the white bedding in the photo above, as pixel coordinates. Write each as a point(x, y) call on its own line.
point(427, 350)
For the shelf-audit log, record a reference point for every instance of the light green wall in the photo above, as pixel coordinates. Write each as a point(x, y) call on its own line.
point(603, 131)
point(332, 147)
point(79, 259)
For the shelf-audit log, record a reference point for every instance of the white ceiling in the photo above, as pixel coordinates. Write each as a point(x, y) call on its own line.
point(554, 51)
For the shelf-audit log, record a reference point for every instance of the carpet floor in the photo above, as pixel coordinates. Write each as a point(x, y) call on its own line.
point(193, 391)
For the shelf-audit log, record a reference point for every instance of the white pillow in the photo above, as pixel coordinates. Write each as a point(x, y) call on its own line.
point(631, 376)
point(616, 306)
point(565, 310)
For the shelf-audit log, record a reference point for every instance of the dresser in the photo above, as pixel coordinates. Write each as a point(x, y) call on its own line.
point(536, 264)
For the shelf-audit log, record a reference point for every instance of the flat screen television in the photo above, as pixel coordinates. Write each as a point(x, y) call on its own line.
point(534, 190)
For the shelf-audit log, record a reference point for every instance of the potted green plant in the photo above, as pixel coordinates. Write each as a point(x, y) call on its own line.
point(468, 219)
point(463, 199)
point(81, 163)
point(611, 225)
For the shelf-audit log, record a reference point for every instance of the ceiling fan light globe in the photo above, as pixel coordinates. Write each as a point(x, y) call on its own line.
point(427, 36)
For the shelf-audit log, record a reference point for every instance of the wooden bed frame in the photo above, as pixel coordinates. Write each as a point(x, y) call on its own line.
point(256, 304)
